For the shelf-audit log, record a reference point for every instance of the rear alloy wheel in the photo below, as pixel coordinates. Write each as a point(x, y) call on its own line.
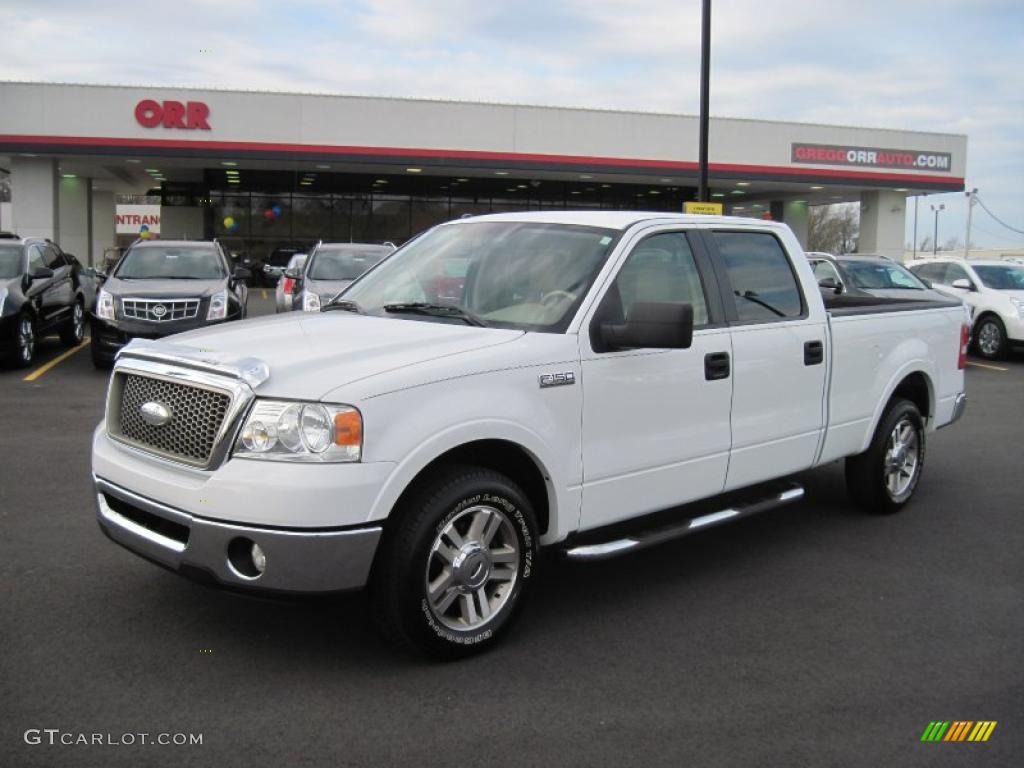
point(25, 341)
point(885, 476)
point(72, 333)
point(455, 567)
point(990, 338)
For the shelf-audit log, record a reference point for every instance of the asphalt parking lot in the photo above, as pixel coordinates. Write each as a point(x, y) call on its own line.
point(809, 636)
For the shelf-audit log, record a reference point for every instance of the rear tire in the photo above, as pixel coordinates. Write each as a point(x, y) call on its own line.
point(455, 566)
point(73, 331)
point(990, 338)
point(883, 478)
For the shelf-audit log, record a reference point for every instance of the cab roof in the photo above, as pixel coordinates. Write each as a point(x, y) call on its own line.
point(622, 220)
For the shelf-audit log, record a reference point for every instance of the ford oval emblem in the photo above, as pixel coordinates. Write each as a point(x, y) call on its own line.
point(155, 414)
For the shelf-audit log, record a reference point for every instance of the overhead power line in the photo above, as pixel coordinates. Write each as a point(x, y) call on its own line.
point(1000, 221)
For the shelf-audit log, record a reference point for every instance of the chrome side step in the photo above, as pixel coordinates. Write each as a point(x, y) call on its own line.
point(787, 494)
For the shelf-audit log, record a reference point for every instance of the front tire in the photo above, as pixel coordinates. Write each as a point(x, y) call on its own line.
point(990, 338)
point(454, 570)
point(73, 331)
point(24, 341)
point(883, 478)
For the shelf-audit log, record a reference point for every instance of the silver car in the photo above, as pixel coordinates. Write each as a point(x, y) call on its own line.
point(875, 275)
point(284, 294)
point(332, 267)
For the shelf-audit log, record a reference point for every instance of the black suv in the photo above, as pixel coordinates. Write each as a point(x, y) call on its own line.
point(42, 291)
point(160, 287)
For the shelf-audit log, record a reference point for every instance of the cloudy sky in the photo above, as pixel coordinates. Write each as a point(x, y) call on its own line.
point(934, 65)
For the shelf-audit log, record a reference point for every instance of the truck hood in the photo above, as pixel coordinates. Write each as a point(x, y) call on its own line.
point(309, 354)
point(163, 289)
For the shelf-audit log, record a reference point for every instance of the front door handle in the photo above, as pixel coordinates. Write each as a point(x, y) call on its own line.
point(716, 366)
point(814, 352)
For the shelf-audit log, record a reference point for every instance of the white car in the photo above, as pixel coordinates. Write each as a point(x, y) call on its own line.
point(285, 293)
point(589, 381)
point(993, 288)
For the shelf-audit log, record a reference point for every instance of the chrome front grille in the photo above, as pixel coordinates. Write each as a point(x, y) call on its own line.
point(197, 415)
point(160, 310)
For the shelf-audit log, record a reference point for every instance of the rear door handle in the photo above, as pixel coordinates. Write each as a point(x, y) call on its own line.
point(814, 352)
point(716, 366)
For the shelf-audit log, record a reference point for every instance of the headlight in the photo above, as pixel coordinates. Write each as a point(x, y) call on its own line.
point(310, 301)
point(218, 306)
point(278, 430)
point(1019, 304)
point(104, 305)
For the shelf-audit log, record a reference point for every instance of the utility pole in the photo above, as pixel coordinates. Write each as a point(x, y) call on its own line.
point(705, 99)
point(916, 198)
point(971, 202)
point(935, 237)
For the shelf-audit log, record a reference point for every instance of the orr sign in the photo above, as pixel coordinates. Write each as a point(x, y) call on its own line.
point(872, 157)
point(190, 116)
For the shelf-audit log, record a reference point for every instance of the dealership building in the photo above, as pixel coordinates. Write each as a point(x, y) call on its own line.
point(260, 170)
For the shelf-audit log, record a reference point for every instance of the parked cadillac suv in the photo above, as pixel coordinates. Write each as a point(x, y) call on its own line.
point(162, 287)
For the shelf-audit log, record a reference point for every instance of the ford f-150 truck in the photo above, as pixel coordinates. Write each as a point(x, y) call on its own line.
point(591, 381)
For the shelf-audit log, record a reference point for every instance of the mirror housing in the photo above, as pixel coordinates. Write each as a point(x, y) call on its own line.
point(830, 284)
point(294, 274)
point(40, 273)
point(651, 325)
point(963, 284)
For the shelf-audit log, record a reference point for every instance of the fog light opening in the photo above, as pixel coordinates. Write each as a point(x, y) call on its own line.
point(246, 558)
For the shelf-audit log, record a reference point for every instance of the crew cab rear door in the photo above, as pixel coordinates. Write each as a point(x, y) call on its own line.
point(655, 421)
point(780, 354)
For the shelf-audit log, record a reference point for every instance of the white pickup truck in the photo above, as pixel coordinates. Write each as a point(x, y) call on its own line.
point(591, 381)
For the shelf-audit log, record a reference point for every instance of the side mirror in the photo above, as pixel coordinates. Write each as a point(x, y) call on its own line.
point(40, 273)
point(830, 284)
point(241, 273)
point(651, 326)
point(294, 274)
point(963, 284)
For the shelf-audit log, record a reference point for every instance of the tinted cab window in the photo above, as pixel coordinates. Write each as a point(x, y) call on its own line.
point(763, 284)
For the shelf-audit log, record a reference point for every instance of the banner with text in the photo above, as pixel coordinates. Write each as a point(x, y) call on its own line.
point(135, 219)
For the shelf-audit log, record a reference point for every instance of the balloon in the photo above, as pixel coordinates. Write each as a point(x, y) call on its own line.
point(269, 214)
point(229, 222)
point(144, 228)
point(277, 210)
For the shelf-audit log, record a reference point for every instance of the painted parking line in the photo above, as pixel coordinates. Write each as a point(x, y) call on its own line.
point(987, 366)
point(56, 361)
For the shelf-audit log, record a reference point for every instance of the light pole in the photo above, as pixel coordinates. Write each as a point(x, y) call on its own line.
point(935, 237)
point(916, 198)
point(705, 98)
point(971, 201)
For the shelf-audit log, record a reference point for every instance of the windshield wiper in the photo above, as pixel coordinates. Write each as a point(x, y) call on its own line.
point(345, 305)
point(751, 296)
point(435, 310)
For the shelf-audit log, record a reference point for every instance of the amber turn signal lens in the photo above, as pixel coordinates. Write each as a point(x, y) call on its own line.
point(348, 428)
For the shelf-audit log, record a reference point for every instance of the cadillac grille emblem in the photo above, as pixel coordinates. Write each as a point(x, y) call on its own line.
point(155, 414)
point(159, 311)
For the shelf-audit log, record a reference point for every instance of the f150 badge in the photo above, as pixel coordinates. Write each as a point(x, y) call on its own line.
point(557, 379)
point(155, 414)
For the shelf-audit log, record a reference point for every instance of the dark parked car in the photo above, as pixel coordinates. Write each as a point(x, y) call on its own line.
point(276, 263)
point(160, 287)
point(42, 291)
point(331, 268)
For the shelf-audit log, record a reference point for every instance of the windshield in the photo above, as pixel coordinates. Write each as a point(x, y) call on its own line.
point(336, 263)
point(171, 263)
point(869, 275)
point(523, 275)
point(10, 261)
point(1001, 277)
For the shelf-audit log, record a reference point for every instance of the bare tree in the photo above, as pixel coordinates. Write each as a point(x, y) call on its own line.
point(833, 228)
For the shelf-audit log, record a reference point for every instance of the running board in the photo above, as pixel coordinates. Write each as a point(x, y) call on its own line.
point(789, 493)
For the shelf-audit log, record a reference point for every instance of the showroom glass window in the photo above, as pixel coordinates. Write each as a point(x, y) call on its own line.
point(763, 283)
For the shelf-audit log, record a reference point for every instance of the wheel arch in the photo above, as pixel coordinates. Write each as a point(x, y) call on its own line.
point(509, 457)
point(914, 383)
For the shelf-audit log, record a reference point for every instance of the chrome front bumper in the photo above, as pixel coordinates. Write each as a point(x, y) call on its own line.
point(296, 561)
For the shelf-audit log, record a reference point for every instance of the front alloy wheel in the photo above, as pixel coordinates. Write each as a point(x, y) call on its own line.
point(455, 563)
point(991, 338)
point(26, 341)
